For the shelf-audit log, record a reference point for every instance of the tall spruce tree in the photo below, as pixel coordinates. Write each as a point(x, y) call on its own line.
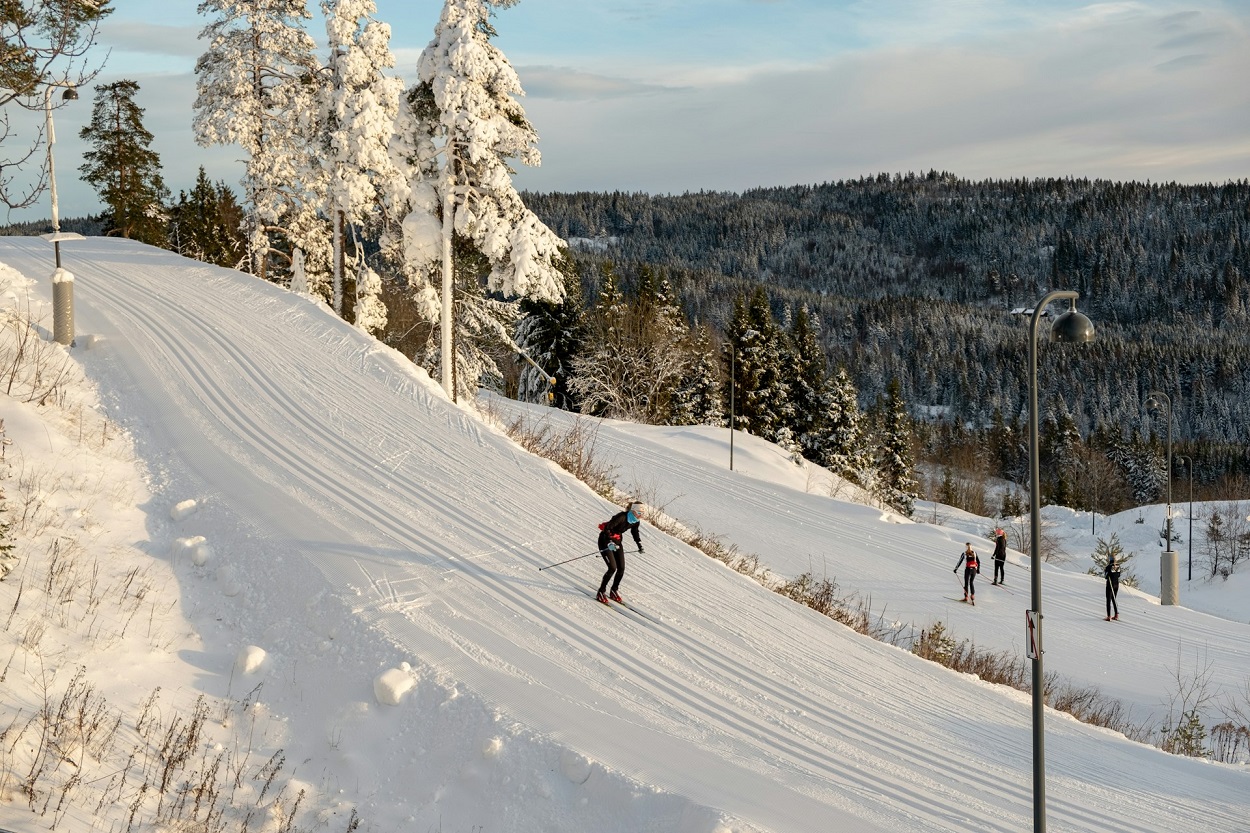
point(122, 167)
point(754, 350)
point(844, 449)
point(896, 482)
point(697, 399)
point(659, 335)
point(205, 224)
point(552, 335)
point(806, 382)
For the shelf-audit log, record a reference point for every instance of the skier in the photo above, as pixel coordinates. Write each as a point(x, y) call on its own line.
point(971, 567)
point(610, 532)
point(1000, 556)
point(1112, 573)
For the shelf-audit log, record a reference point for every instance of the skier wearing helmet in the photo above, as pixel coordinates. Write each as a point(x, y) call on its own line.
point(610, 533)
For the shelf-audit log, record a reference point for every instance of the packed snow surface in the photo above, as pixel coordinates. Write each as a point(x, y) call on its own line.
point(365, 554)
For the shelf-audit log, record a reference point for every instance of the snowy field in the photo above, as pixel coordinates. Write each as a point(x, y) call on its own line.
point(345, 566)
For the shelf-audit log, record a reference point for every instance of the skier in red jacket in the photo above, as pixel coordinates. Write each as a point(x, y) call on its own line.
point(610, 533)
point(971, 566)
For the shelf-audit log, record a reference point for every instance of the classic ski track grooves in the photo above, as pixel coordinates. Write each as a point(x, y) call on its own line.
point(820, 724)
point(805, 748)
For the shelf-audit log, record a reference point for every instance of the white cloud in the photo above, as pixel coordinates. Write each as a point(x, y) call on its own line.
point(1114, 92)
point(153, 40)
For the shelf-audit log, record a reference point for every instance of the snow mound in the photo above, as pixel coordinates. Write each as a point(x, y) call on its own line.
point(183, 509)
point(390, 686)
point(251, 660)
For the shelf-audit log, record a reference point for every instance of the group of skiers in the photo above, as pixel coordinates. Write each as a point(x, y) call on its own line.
point(972, 566)
point(612, 531)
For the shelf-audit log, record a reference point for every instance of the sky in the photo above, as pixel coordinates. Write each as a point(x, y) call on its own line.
point(224, 491)
point(670, 96)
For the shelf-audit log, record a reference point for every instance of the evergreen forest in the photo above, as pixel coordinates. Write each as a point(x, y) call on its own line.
point(928, 280)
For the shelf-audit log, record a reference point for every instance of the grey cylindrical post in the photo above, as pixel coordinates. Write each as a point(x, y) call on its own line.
point(63, 307)
point(1169, 578)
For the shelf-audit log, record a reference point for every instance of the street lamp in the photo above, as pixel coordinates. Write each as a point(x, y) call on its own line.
point(1189, 464)
point(1074, 327)
point(62, 281)
point(1168, 573)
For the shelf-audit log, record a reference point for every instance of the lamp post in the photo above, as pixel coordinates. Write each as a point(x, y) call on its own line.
point(1074, 327)
point(62, 281)
point(1169, 590)
point(1189, 464)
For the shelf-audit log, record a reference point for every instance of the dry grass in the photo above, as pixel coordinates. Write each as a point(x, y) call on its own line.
point(67, 609)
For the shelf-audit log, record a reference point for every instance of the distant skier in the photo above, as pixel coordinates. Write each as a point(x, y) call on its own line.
point(1000, 556)
point(968, 559)
point(610, 532)
point(1112, 573)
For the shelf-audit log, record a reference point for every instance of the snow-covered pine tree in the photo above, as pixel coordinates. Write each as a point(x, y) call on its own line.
point(1141, 465)
point(805, 376)
point(845, 448)
point(896, 482)
point(762, 397)
point(370, 311)
point(464, 107)
point(122, 166)
point(358, 112)
point(697, 398)
point(253, 90)
point(1061, 441)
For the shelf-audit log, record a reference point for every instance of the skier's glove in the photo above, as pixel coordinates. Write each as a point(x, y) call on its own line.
point(956, 570)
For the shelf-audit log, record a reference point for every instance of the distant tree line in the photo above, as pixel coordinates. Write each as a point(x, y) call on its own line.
point(921, 279)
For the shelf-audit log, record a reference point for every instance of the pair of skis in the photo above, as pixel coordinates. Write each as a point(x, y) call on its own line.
point(625, 608)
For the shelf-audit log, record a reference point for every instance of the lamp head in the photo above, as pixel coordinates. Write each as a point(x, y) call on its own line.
point(1073, 327)
point(70, 94)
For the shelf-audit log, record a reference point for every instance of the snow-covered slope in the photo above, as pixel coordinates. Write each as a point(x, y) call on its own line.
point(362, 525)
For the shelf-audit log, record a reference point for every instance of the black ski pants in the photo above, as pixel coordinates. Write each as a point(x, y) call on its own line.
point(1112, 591)
point(970, 575)
point(616, 566)
point(999, 573)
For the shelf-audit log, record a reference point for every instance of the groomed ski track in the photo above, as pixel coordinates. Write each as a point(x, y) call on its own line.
point(423, 522)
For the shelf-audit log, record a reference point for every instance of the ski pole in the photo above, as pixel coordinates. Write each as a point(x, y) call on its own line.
point(567, 560)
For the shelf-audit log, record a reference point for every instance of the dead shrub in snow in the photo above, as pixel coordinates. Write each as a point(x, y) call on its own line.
point(572, 450)
point(32, 369)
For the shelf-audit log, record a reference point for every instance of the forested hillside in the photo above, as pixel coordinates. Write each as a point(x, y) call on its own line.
point(915, 278)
